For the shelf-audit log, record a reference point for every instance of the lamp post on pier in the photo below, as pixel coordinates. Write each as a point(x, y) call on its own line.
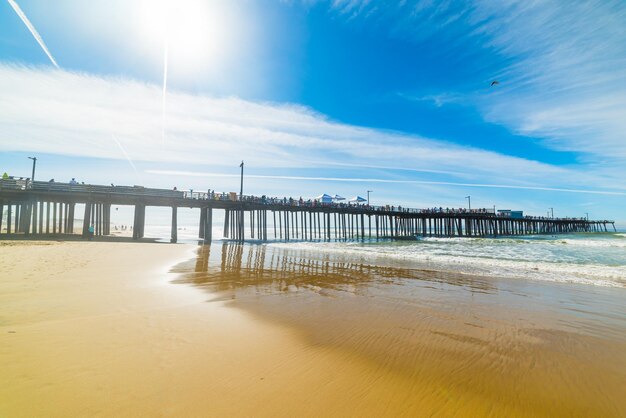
point(241, 189)
point(551, 213)
point(32, 177)
point(587, 216)
point(368, 197)
point(469, 202)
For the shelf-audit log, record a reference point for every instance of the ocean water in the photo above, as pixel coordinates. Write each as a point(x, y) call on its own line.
point(594, 259)
point(585, 258)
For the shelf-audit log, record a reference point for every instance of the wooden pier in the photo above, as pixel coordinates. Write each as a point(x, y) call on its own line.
point(42, 208)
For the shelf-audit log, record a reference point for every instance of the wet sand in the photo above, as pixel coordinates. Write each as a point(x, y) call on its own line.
point(98, 329)
point(460, 345)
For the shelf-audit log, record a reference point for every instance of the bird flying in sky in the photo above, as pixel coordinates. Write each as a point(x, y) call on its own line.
point(494, 82)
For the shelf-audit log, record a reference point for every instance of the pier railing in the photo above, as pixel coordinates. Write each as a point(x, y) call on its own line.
point(48, 207)
point(13, 184)
point(100, 189)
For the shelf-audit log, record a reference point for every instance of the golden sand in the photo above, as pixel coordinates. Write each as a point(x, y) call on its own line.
point(97, 329)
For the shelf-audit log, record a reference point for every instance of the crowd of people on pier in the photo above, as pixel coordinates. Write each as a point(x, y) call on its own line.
point(6, 176)
point(312, 203)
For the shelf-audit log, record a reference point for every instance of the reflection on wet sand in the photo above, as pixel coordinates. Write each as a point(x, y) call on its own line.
point(464, 345)
point(250, 265)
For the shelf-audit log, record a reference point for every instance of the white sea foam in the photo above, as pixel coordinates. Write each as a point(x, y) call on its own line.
point(615, 243)
point(548, 260)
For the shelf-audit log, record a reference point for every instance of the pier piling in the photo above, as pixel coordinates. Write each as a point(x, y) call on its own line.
point(37, 208)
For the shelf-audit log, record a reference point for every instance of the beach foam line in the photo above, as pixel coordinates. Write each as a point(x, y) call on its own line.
point(613, 243)
point(598, 275)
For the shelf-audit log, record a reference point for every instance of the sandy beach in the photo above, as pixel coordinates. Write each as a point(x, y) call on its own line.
point(96, 329)
point(104, 329)
point(305, 208)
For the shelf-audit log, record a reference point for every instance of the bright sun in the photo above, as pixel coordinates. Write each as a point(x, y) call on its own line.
point(194, 31)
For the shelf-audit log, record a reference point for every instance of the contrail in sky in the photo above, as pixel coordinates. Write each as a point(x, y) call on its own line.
point(374, 180)
point(127, 157)
point(32, 30)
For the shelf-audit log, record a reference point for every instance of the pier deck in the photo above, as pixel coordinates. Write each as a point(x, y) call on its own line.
point(49, 208)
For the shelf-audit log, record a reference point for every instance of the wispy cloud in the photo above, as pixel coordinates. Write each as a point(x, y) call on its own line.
point(438, 100)
point(33, 31)
point(60, 112)
point(560, 63)
point(566, 82)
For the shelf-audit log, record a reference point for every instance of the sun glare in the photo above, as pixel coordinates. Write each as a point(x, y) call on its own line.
point(193, 31)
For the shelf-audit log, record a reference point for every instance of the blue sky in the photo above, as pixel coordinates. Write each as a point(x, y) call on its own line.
point(325, 96)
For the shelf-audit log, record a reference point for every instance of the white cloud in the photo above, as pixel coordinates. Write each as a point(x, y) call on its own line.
point(60, 112)
point(438, 100)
